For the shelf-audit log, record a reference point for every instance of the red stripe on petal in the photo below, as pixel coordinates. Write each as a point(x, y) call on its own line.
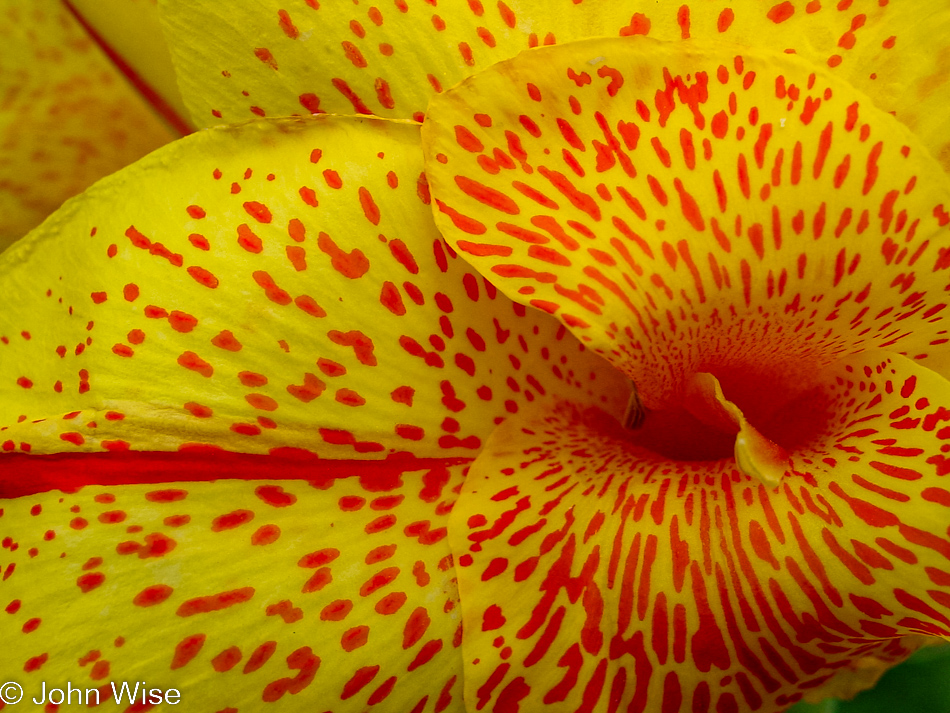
point(22, 474)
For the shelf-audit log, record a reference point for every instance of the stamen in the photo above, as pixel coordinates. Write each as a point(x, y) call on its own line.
point(756, 456)
point(636, 412)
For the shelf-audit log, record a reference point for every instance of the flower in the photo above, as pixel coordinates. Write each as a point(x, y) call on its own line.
point(757, 279)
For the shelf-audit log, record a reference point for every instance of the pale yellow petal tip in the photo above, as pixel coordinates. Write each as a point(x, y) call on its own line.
point(760, 458)
point(705, 400)
point(756, 456)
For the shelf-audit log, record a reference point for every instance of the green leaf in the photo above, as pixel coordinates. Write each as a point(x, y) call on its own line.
point(922, 684)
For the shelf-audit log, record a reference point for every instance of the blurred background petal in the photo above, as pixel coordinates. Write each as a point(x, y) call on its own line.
point(277, 57)
point(68, 115)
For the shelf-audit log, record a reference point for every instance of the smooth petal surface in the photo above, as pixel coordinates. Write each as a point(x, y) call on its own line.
point(334, 595)
point(269, 286)
point(680, 207)
point(67, 116)
point(274, 58)
point(132, 30)
point(655, 585)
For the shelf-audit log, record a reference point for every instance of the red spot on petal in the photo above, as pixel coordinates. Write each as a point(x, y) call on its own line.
point(88, 582)
point(639, 25)
point(275, 496)
point(353, 264)
point(265, 535)
point(781, 12)
point(231, 520)
point(195, 363)
point(150, 596)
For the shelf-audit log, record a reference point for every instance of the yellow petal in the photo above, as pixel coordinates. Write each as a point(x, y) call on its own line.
point(652, 583)
point(67, 116)
point(275, 58)
point(678, 207)
point(270, 286)
point(336, 596)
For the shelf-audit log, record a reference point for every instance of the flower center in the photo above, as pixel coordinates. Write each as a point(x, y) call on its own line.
point(729, 413)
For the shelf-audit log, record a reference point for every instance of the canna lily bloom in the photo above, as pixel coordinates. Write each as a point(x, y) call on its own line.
point(337, 407)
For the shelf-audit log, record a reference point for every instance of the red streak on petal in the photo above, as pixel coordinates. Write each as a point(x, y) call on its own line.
point(358, 681)
point(487, 196)
point(187, 649)
point(158, 102)
point(287, 25)
point(215, 602)
point(351, 96)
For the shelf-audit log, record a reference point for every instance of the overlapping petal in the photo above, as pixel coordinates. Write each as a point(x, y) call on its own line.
point(652, 584)
point(679, 207)
point(296, 56)
point(238, 595)
point(67, 116)
point(273, 287)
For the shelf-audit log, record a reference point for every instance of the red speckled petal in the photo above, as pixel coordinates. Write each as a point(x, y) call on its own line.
point(296, 56)
point(649, 584)
point(279, 285)
point(67, 116)
point(680, 209)
point(334, 595)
